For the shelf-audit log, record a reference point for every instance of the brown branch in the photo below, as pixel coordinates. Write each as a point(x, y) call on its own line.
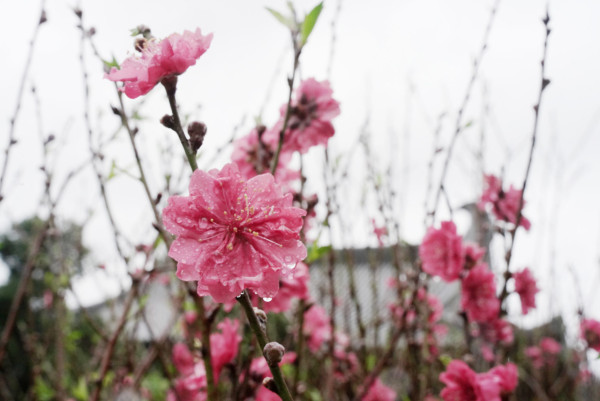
point(513, 232)
point(13, 121)
point(110, 347)
point(23, 284)
point(458, 128)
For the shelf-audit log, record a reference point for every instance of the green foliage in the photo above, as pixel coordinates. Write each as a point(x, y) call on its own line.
point(80, 390)
point(43, 391)
point(309, 23)
point(286, 21)
point(317, 252)
point(157, 385)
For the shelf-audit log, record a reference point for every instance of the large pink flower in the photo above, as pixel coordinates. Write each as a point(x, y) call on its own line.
point(234, 234)
point(309, 123)
point(479, 299)
point(590, 331)
point(159, 59)
point(504, 203)
point(526, 287)
point(379, 392)
point(462, 384)
point(442, 252)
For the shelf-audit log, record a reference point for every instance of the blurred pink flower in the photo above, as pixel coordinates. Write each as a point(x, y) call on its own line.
point(253, 157)
point(496, 330)
point(316, 327)
point(550, 346)
point(380, 232)
point(534, 353)
point(234, 234)
point(309, 123)
point(479, 299)
point(441, 252)
point(48, 299)
point(224, 346)
point(590, 332)
point(504, 204)
point(159, 59)
point(379, 392)
point(473, 254)
point(507, 377)
point(259, 370)
point(191, 385)
point(183, 359)
point(462, 384)
point(526, 287)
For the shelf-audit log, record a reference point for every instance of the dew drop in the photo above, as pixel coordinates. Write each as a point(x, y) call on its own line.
point(267, 299)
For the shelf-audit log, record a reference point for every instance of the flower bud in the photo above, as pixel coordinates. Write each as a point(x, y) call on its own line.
point(269, 383)
point(273, 353)
point(262, 319)
point(197, 132)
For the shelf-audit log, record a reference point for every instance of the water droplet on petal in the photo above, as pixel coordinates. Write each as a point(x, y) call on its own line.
point(267, 299)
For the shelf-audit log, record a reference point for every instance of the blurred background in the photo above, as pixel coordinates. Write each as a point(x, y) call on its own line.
point(400, 70)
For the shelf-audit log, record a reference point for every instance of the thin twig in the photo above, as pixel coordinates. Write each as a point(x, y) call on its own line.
point(513, 232)
point(13, 121)
point(282, 389)
point(458, 128)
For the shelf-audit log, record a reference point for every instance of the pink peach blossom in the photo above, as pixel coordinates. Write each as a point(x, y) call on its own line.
point(160, 59)
point(259, 369)
point(309, 123)
point(478, 298)
point(379, 392)
point(503, 203)
point(507, 377)
point(183, 359)
point(441, 252)
point(293, 287)
point(473, 254)
point(254, 156)
point(550, 346)
point(224, 346)
point(534, 353)
point(462, 384)
point(496, 330)
point(379, 231)
point(191, 385)
point(316, 327)
point(526, 287)
point(234, 234)
point(590, 332)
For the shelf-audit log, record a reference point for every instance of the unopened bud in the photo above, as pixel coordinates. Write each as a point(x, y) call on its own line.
point(273, 353)
point(43, 17)
point(140, 44)
point(262, 319)
point(168, 121)
point(197, 132)
point(269, 383)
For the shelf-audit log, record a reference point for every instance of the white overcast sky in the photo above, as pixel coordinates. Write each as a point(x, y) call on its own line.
point(399, 63)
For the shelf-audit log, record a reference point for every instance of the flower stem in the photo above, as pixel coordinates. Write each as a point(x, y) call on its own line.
point(288, 110)
point(170, 85)
point(282, 389)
